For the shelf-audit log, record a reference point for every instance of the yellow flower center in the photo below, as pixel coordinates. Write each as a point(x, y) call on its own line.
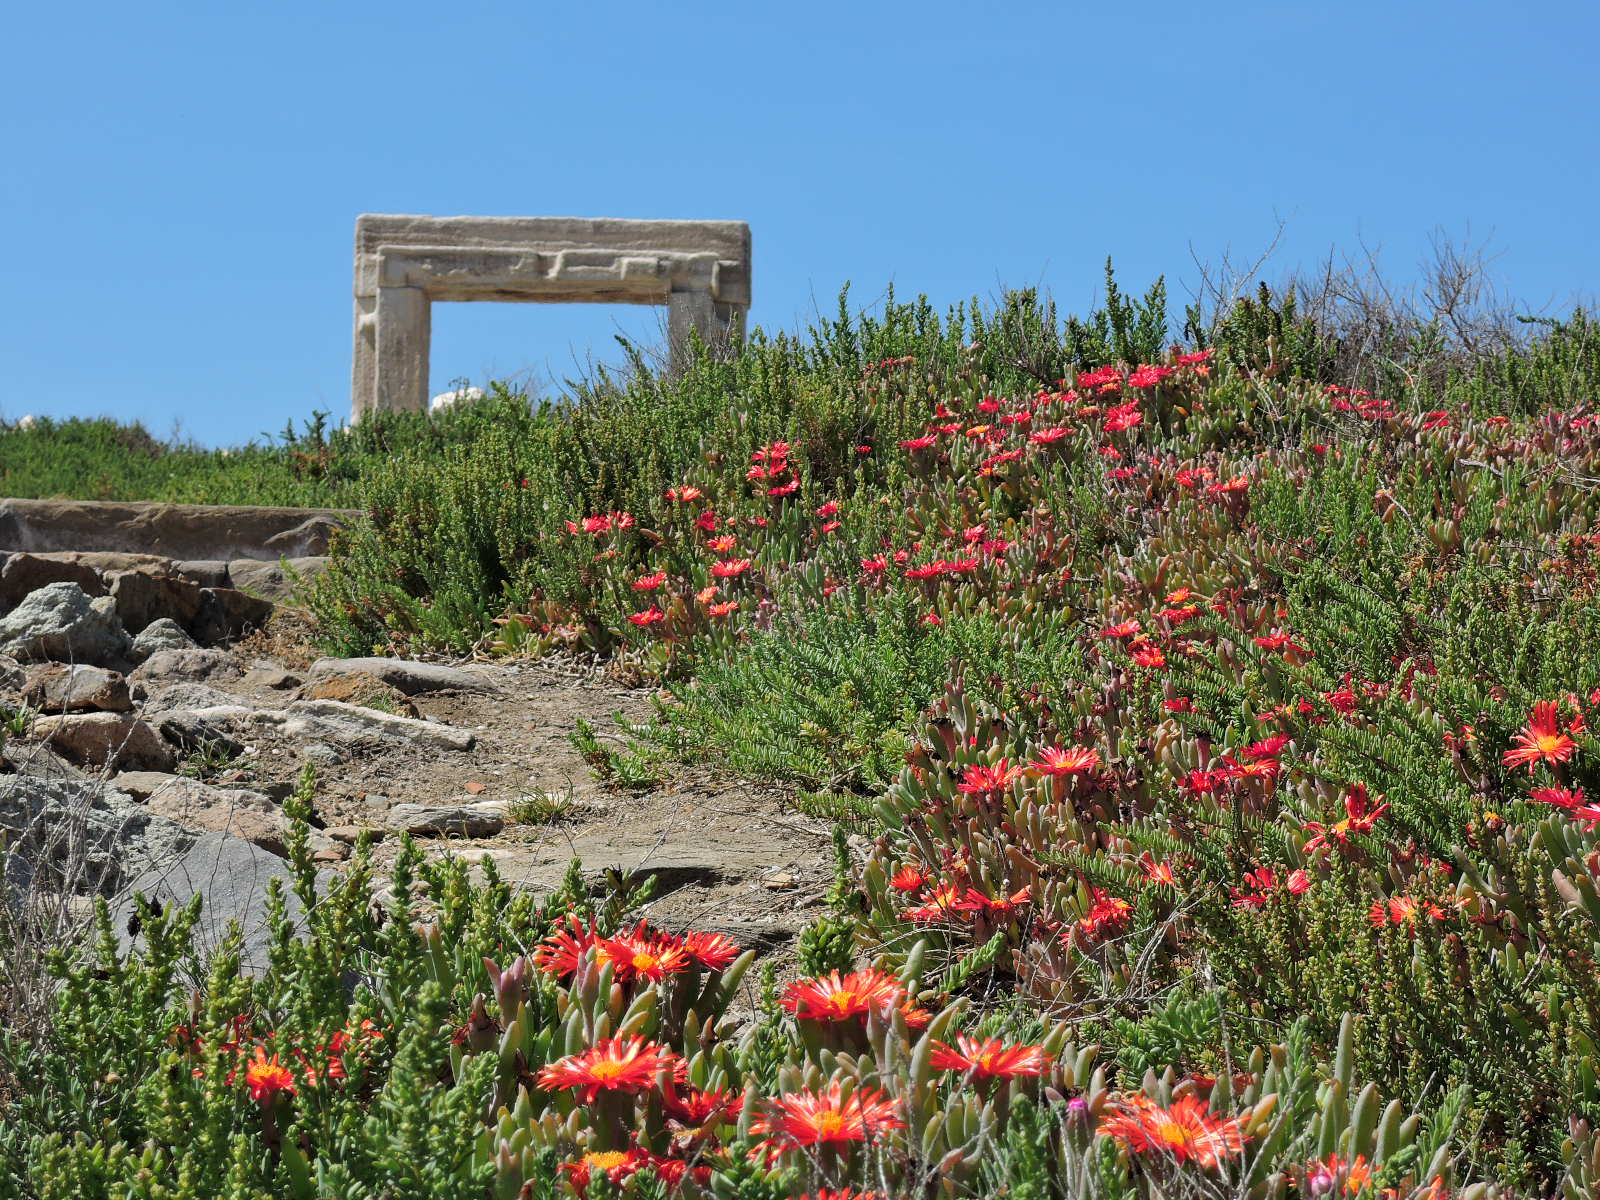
point(606, 1159)
point(1550, 743)
point(842, 1002)
point(644, 962)
point(608, 1071)
point(829, 1124)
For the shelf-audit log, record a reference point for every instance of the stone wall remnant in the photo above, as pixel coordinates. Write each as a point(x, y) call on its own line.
point(700, 270)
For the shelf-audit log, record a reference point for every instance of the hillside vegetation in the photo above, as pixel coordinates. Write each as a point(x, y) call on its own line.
point(1215, 697)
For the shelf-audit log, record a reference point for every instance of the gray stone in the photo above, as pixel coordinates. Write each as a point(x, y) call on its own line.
point(233, 875)
point(699, 269)
point(79, 836)
point(270, 579)
point(459, 820)
point(58, 688)
point(412, 678)
point(104, 739)
point(142, 597)
point(270, 677)
point(61, 623)
point(176, 696)
point(12, 674)
point(162, 634)
point(227, 613)
point(347, 724)
point(174, 666)
point(25, 573)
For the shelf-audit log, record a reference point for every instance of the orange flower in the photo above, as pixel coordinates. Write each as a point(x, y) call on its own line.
point(714, 951)
point(838, 998)
point(1187, 1130)
point(807, 1118)
point(989, 1059)
point(1156, 872)
point(1074, 760)
point(616, 1165)
point(1541, 741)
point(730, 568)
point(612, 1065)
point(266, 1077)
point(640, 957)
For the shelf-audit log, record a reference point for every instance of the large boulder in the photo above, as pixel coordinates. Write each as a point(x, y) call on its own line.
point(233, 875)
point(26, 573)
point(60, 688)
point(106, 739)
point(60, 623)
point(412, 678)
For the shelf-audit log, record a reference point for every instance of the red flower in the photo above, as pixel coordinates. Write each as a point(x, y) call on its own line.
point(1123, 416)
point(722, 543)
point(807, 1118)
point(616, 1165)
point(980, 780)
point(649, 583)
point(714, 951)
point(1147, 655)
point(835, 997)
point(266, 1077)
point(697, 1107)
point(1106, 914)
point(650, 616)
point(1146, 377)
point(1074, 760)
point(1187, 1131)
point(989, 1059)
point(730, 568)
point(1126, 629)
point(627, 1065)
point(1541, 741)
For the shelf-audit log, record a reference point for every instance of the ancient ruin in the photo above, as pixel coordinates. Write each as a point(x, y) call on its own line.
point(699, 269)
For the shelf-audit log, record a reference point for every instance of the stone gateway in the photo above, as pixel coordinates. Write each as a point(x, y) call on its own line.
point(699, 269)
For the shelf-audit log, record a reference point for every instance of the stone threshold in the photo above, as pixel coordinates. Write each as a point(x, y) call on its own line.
point(213, 532)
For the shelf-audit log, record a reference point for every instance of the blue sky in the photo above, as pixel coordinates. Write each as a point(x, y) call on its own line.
point(181, 181)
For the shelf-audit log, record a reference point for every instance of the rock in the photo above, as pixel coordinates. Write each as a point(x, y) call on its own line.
point(162, 634)
point(323, 753)
point(172, 666)
point(142, 597)
point(236, 811)
point(351, 834)
point(12, 675)
point(271, 579)
point(366, 690)
point(460, 820)
point(233, 876)
point(207, 573)
point(412, 678)
point(270, 676)
point(205, 731)
point(57, 688)
point(81, 837)
point(141, 785)
point(332, 720)
point(36, 758)
point(105, 739)
point(227, 613)
point(60, 623)
point(25, 573)
point(177, 696)
point(179, 531)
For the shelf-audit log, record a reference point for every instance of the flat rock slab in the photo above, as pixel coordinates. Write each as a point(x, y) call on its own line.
point(458, 820)
point(59, 688)
point(412, 678)
point(335, 721)
point(187, 666)
point(25, 573)
point(183, 531)
point(270, 579)
point(237, 811)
